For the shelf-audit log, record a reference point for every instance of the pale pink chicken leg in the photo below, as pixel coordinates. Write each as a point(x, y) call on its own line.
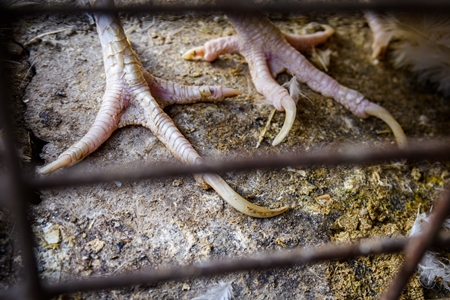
point(134, 97)
point(381, 37)
point(268, 52)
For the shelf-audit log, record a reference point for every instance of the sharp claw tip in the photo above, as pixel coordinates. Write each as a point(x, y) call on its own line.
point(239, 203)
point(62, 161)
point(290, 109)
point(381, 113)
point(262, 212)
point(230, 92)
point(44, 170)
point(194, 54)
point(188, 56)
point(402, 141)
point(278, 211)
point(278, 139)
point(49, 168)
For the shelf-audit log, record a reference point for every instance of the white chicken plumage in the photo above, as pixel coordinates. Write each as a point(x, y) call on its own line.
point(419, 42)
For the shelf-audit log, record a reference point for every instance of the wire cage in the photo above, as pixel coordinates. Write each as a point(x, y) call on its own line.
point(201, 253)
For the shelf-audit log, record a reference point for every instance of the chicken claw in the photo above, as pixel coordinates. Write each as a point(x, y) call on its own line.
point(135, 97)
point(268, 52)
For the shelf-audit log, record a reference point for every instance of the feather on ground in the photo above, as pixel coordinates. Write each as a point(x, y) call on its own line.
point(222, 291)
point(431, 268)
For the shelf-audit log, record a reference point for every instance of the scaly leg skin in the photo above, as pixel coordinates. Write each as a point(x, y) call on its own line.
point(268, 52)
point(128, 100)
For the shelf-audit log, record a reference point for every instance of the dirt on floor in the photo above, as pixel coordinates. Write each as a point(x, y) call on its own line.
point(120, 227)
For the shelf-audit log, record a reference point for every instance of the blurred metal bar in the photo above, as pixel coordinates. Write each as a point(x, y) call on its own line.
point(14, 190)
point(353, 155)
point(234, 6)
point(417, 246)
point(278, 259)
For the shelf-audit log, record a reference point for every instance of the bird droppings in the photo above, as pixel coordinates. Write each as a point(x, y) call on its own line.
point(52, 235)
point(94, 246)
point(155, 223)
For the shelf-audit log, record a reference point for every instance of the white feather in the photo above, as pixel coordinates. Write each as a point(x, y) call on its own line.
point(431, 268)
point(422, 44)
point(294, 89)
point(222, 291)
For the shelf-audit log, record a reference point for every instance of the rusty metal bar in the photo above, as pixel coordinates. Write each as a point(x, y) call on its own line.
point(279, 259)
point(353, 155)
point(243, 7)
point(14, 190)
